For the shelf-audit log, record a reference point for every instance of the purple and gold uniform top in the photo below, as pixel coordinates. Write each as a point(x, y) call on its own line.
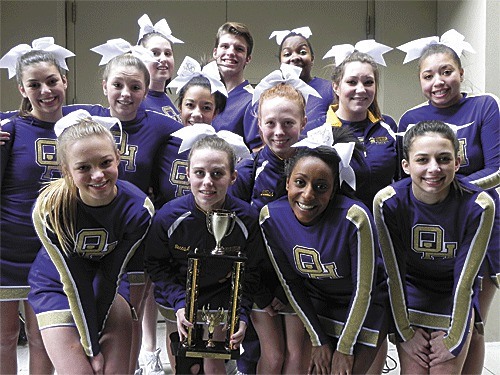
point(28, 160)
point(78, 289)
point(330, 271)
point(432, 255)
point(479, 142)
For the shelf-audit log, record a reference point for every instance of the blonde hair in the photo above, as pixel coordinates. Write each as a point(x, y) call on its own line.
point(57, 201)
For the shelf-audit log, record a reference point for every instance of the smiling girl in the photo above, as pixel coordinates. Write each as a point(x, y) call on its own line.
point(90, 225)
point(181, 224)
point(329, 267)
point(28, 160)
point(355, 83)
point(433, 251)
point(159, 40)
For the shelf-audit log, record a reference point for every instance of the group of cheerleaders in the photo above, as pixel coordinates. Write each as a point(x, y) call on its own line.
point(356, 229)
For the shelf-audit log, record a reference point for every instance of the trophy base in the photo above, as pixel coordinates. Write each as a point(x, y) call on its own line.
point(200, 350)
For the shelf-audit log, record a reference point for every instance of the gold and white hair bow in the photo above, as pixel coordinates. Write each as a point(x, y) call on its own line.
point(160, 27)
point(323, 136)
point(191, 68)
point(451, 38)
point(282, 34)
point(9, 60)
point(119, 46)
point(285, 74)
point(453, 127)
point(191, 134)
point(369, 46)
point(75, 117)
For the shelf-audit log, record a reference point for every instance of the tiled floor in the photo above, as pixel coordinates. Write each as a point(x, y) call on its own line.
point(491, 363)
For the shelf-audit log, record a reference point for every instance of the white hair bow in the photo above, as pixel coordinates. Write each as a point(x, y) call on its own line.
point(75, 117)
point(369, 46)
point(451, 38)
point(281, 35)
point(160, 27)
point(119, 46)
point(190, 134)
point(322, 136)
point(453, 127)
point(190, 68)
point(285, 74)
point(9, 60)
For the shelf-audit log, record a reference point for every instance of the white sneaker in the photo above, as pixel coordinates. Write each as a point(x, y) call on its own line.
point(152, 363)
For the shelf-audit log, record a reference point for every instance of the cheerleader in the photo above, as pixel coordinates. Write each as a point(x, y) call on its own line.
point(90, 225)
point(295, 49)
point(181, 225)
point(477, 119)
point(329, 267)
point(281, 115)
point(125, 83)
point(201, 98)
point(28, 160)
point(355, 83)
point(159, 40)
point(432, 251)
point(233, 52)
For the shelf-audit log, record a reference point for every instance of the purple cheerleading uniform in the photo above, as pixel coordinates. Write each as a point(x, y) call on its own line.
point(8, 114)
point(171, 172)
point(258, 180)
point(180, 226)
point(317, 107)
point(330, 271)
point(432, 255)
point(160, 102)
point(28, 161)
point(78, 290)
point(479, 142)
point(231, 118)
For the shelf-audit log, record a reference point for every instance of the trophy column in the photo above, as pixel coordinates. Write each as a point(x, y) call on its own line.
point(220, 223)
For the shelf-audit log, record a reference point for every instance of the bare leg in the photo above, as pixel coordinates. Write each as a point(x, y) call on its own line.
point(39, 359)
point(170, 328)
point(136, 299)
point(455, 365)
point(149, 321)
point(9, 331)
point(63, 343)
point(117, 337)
point(272, 342)
point(364, 357)
point(298, 346)
point(378, 363)
point(474, 362)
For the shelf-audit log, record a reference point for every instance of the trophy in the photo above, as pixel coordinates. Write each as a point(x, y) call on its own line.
point(220, 224)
